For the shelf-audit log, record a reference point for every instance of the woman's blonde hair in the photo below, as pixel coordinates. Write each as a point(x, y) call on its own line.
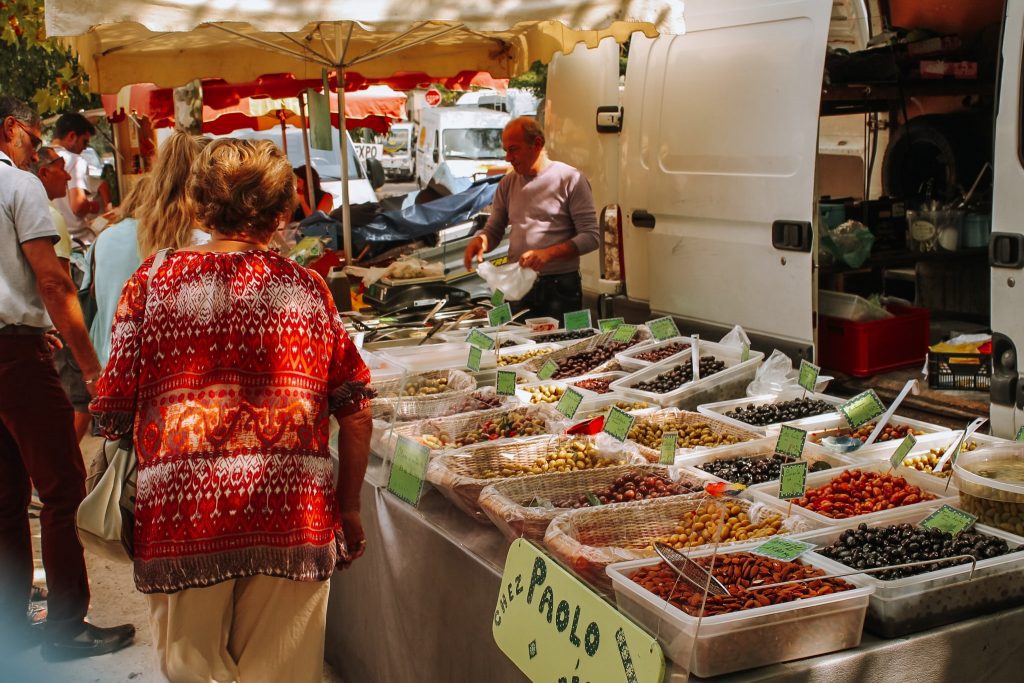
point(129, 206)
point(242, 187)
point(165, 215)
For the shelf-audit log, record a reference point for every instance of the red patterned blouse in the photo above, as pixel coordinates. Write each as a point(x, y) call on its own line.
point(227, 381)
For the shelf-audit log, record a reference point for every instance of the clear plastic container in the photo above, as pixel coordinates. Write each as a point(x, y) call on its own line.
point(718, 410)
point(746, 639)
point(563, 343)
point(762, 448)
point(768, 493)
point(524, 348)
point(628, 360)
point(997, 502)
point(940, 441)
point(444, 356)
point(525, 396)
point(729, 383)
point(917, 603)
point(594, 407)
point(819, 429)
point(505, 338)
point(542, 324)
point(610, 376)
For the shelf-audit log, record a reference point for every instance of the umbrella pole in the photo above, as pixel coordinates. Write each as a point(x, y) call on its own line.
point(284, 132)
point(346, 213)
point(305, 148)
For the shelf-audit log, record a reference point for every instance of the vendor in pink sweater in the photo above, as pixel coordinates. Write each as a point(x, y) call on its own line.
point(550, 210)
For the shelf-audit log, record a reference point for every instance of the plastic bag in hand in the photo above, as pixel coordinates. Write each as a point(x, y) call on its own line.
point(513, 280)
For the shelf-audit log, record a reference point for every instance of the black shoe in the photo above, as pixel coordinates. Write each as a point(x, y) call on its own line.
point(88, 642)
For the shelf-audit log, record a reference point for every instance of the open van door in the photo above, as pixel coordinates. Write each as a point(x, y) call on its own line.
point(1006, 246)
point(718, 164)
point(579, 83)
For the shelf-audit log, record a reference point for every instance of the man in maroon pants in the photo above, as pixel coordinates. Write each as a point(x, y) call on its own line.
point(37, 437)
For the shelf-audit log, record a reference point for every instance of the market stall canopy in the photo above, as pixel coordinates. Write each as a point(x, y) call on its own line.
point(172, 42)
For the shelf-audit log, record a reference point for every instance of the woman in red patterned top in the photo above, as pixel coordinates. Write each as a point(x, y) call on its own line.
point(226, 367)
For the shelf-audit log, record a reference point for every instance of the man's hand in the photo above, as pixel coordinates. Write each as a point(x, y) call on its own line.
point(535, 259)
point(476, 249)
point(355, 539)
point(53, 340)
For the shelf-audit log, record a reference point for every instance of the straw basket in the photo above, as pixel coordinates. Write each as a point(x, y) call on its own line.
point(671, 420)
point(388, 401)
point(450, 429)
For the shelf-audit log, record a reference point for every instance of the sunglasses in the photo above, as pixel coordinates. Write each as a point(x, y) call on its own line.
point(36, 141)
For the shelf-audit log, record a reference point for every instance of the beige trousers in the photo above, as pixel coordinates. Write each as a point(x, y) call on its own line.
point(259, 629)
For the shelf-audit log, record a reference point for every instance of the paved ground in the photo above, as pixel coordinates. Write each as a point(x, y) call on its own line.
point(114, 601)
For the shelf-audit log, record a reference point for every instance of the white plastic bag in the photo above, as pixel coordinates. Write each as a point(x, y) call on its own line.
point(513, 280)
point(736, 338)
point(777, 375)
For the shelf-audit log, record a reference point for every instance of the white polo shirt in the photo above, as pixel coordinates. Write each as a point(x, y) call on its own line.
point(24, 216)
point(78, 168)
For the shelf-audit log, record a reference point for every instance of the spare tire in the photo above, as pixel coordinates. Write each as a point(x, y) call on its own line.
point(943, 151)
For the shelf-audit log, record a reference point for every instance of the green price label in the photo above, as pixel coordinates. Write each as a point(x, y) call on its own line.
point(744, 352)
point(902, 450)
point(506, 382)
point(576, 320)
point(624, 333)
point(499, 315)
point(668, 448)
point(498, 298)
point(408, 470)
point(663, 328)
point(480, 340)
point(475, 356)
point(569, 403)
point(793, 480)
point(791, 442)
point(592, 499)
point(1020, 435)
point(808, 375)
point(548, 370)
point(785, 549)
point(618, 423)
point(949, 519)
point(862, 408)
point(609, 324)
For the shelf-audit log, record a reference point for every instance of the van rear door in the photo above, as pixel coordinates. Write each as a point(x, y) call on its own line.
point(717, 174)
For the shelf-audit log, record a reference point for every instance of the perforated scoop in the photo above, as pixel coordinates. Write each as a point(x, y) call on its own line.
point(690, 571)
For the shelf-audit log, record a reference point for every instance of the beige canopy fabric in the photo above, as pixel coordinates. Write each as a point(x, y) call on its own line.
point(171, 42)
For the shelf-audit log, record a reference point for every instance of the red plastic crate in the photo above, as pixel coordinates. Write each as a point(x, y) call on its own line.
point(866, 348)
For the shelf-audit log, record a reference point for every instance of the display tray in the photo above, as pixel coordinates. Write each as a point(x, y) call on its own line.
point(718, 410)
point(939, 441)
point(768, 493)
point(597, 341)
point(588, 540)
point(758, 449)
point(390, 400)
point(505, 352)
point(507, 503)
point(836, 426)
point(629, 361)
point(443, 433)
point(749, 638)
point(676, 420)
point(729, 383)
point(591, 408)
point(917, 603)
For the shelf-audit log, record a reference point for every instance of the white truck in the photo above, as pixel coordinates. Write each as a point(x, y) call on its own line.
point(710, 155)
point(465, 140)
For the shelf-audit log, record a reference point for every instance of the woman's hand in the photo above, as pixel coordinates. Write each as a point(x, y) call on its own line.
point(355, 539)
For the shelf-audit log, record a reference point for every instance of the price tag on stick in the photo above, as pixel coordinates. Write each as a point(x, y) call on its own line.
point(408, 470)
point(793, 480)
point(624, 333)
point(576, 320)
point(902, 451)
point(618, 423)
point(808, 375)
point(499, 315)
point(785, 549)
point(791, 442)
point(949, 519)
point(548, 370)
point(609, 324)
point(498, 298)
point(695, 357)
point(862, 408)
point(506, 382)
point(480, 340)
point(569, 403)
point(668, 448)
point(663, 328)
point(475, 356)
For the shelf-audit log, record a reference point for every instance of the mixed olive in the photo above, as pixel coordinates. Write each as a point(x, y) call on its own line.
point(636, 486)
point(583, 362)
point(680, 375)
point(750, 471)
point(598, 386)
point(578, 454)
point(784, 411)
point(661, 353)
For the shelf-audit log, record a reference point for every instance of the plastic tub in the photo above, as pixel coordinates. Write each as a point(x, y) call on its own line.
point(542, 324)
point(917, 603)
point(729, 383)
point(563, 343)
point(594, 407)
point(628, 360)
point(868, 347)
point(610, 376)
point(526, 397)
point(746, 639)
point(997, 502)
point(504, 338)
point(446, 356)
point(762, 448)
point(718, 410)
point(940, 441)
point(768, 493)
point(523, 348)
point(836, 426)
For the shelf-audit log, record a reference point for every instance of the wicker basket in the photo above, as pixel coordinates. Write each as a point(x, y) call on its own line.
point(456, 426)
point(588, 540)
point(534, 364)
point(672, 419)
point(460, 476)
point(460, 386)
point(506, 503)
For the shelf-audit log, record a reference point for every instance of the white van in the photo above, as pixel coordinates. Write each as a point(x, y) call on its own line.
point(467, 140)
point(398, 159)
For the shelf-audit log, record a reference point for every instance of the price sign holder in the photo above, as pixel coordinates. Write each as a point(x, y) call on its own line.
point(669, 440)
point(476, 354)
point(901, 452)
point(663, 328)
point(576, 320)
point(695, 357)
point(569, 403)
point(785, 549)
point(618, 423)
point(593, 500)
point(497, 298)
point(609, 324)
point(548, 370)
point(480, 340)
point(791, 442)
point(949, 519)
point(506, 382)
point(408, 470)
point(793, 480)
point(499, 315)
point(911, 385)
point(808, 375)
point(624, 333)
point(862, 408)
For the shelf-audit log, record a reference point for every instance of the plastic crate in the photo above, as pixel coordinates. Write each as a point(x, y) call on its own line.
point(972, 371)
point(865, 348)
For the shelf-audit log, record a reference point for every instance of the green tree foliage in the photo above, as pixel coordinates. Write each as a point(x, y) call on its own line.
point(38, 69)
point(535, 80)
